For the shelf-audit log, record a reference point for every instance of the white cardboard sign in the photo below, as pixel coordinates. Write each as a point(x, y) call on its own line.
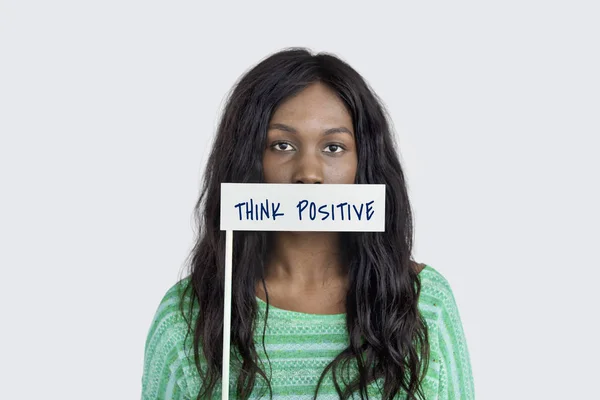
point(302, 207)
point(292, 207)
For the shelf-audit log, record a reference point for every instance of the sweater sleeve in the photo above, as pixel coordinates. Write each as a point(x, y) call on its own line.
point(456, 379)
point(163, 375)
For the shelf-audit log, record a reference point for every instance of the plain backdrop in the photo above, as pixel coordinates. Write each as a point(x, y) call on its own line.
point(108, 108)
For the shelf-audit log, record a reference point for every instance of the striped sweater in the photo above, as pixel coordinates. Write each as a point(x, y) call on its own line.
point(300, 345)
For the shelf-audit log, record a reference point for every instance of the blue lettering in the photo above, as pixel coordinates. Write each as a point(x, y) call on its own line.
point(239, 207)
point(369, 208)
point(249, 210)
point(341, 207)
point(258, 211)
point(267, 209)
point(264, 209)
point(323, 212)
point(274, 211)
point(358, 213)
point(301, 207)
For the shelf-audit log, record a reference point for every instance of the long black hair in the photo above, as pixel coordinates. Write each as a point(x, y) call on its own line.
point(387, 335)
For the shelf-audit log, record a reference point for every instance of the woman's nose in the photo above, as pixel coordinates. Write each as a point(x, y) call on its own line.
point(308, 170)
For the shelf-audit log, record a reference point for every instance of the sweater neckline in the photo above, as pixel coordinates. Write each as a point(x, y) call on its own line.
point(272, 309)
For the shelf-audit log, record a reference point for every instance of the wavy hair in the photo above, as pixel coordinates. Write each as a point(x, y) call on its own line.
point(387, 335)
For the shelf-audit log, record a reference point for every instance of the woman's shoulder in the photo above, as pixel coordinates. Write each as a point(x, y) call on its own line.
point(436, 291)
point(448, 340)
point(168, 313)
point(169, 323)
point(165, 360)
point(432, 277)
point(174, 295)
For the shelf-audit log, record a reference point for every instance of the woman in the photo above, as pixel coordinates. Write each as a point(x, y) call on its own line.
point(349, 315)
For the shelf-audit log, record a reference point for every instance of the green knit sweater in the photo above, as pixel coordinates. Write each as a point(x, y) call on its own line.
point(300, 345)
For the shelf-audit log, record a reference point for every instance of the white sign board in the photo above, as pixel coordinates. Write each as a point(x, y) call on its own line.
point(292, 207)
point(302, 207)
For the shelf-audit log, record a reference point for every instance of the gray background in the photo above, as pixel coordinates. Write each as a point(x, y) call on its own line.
point(107, 110)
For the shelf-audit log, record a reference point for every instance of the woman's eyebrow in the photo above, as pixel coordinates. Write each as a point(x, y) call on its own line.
point(287, 128)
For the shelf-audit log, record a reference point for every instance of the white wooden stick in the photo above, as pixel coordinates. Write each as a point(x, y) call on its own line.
point(227, 313)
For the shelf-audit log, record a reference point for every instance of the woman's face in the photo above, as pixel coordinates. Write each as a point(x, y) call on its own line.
point(310, 139)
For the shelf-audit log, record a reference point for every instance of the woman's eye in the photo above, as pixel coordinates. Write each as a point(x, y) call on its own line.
point(334, 148)
point(282, 146)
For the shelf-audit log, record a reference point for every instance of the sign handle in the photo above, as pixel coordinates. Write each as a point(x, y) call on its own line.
point(227, 314)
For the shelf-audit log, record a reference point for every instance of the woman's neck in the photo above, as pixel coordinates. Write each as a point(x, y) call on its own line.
point(305, 260)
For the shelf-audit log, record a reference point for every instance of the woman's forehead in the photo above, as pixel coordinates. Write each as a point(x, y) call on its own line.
point(316, 104)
